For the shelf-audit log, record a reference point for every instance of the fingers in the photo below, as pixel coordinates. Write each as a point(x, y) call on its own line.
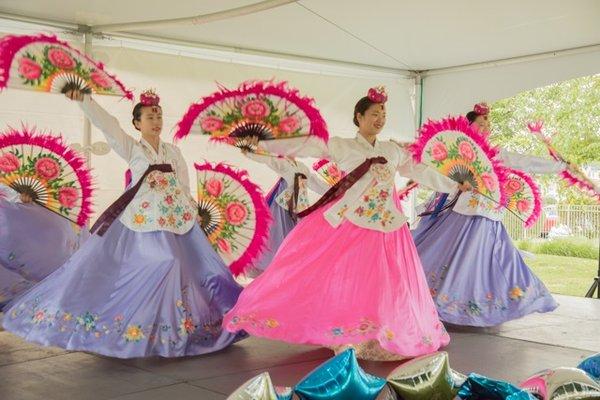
point(74, 95)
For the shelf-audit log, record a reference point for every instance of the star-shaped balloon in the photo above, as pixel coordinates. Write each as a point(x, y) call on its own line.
point(563, 384)
point(340, 378)
point(260, 388)
point(591, 365)
point(478, 387)
point(427, 377)
point(387, 393)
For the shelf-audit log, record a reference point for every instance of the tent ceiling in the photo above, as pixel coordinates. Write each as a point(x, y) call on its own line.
point(395, 34)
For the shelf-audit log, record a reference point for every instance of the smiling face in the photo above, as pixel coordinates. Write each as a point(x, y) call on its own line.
point(373, 119)
point(150, 122)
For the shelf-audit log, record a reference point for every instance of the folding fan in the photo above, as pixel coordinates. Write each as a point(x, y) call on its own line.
point(286, 123)
point(51, 173)
point(46, 64)
point(233, 214)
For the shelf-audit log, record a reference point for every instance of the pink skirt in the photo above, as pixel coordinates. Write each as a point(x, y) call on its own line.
point(343, 286)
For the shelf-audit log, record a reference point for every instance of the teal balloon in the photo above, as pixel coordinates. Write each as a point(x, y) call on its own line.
point(591, 365)
point(478, 387)
point(427, 377)
point(340, 378)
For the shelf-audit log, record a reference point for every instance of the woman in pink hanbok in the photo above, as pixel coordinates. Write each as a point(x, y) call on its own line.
point(349, 273)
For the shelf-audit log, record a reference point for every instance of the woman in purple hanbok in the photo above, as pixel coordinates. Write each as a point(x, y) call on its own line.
point(475, 273)
point(147, 282)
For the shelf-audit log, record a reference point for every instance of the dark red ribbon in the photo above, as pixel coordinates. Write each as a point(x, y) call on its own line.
point(343, 184)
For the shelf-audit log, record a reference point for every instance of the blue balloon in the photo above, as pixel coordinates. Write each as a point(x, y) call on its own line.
point(591, 365)
point(478, 387)
point(340, 378)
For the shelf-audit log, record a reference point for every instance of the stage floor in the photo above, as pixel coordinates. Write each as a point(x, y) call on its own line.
point(513, 352)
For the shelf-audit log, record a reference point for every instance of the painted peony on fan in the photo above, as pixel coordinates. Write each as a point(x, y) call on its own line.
point(456, 149)
point(47, 64)
point(573, 174)
point(51, 173)
point(523, 196)
point(285, 123)
point(328, 171)
point(233, 214)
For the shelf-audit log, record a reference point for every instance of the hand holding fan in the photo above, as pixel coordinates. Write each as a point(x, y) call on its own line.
point(233, 214)
point(285, 123)
point(50, 173)
point(46, 64)
point(457, 150)
point(573, 174)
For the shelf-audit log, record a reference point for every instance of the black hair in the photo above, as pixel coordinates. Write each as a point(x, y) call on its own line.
point(137, 113)
point(361, 107)
point(472, 116)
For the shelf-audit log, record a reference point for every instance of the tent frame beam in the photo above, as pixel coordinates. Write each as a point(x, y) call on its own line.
point(81, 29)
point(196, 20)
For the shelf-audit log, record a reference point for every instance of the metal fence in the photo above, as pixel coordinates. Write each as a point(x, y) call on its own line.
point(558, 220)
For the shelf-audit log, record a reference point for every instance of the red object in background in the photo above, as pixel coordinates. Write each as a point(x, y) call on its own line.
point(550, 223)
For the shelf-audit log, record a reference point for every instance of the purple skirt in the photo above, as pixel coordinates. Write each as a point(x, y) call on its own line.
point(34, 242)
point(281, 226)
point(131, 294)
point(476, 275)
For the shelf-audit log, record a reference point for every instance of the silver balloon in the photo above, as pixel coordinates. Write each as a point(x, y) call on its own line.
point(562, 384)
point(260, 388)
point(426, 378)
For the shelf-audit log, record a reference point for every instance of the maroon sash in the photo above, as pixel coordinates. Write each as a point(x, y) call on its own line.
point(343, 184)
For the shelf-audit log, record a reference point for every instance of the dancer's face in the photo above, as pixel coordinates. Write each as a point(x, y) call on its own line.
point(373, 120)
point(150, 122)
point(483, 122)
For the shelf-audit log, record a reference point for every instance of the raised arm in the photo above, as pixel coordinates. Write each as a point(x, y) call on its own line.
point(531, 164)
point(116, 137)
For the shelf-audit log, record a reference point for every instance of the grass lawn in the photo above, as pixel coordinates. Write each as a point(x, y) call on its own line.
point(564, 275)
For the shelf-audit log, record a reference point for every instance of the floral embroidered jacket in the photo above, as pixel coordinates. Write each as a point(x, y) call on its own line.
point(164, 201)
point(369, 202)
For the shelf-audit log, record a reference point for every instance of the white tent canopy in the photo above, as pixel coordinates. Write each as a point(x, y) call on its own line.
point(391, 36)
point(462, 51)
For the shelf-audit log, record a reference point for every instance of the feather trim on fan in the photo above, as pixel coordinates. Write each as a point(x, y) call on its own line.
point(41, 173)
point(57, 62)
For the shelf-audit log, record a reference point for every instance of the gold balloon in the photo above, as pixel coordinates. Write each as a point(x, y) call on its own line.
point(426, 378)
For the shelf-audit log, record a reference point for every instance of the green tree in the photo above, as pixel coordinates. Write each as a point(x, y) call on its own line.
point(570, 111)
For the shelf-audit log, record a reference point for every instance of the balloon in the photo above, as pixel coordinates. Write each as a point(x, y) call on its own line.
point(478, 387)
point(339, 378)
point(260, 388)
point(426, 377)
point(563, 384)
point(591, 365)
point(387, 394)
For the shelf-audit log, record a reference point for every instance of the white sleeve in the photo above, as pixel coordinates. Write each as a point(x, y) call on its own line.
point(283, 167)
point(116, 137)
point(531, 164)
point(317, 184)
point(424, 174)
point(335, 149)
point(182, 171)
point(8, 193)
